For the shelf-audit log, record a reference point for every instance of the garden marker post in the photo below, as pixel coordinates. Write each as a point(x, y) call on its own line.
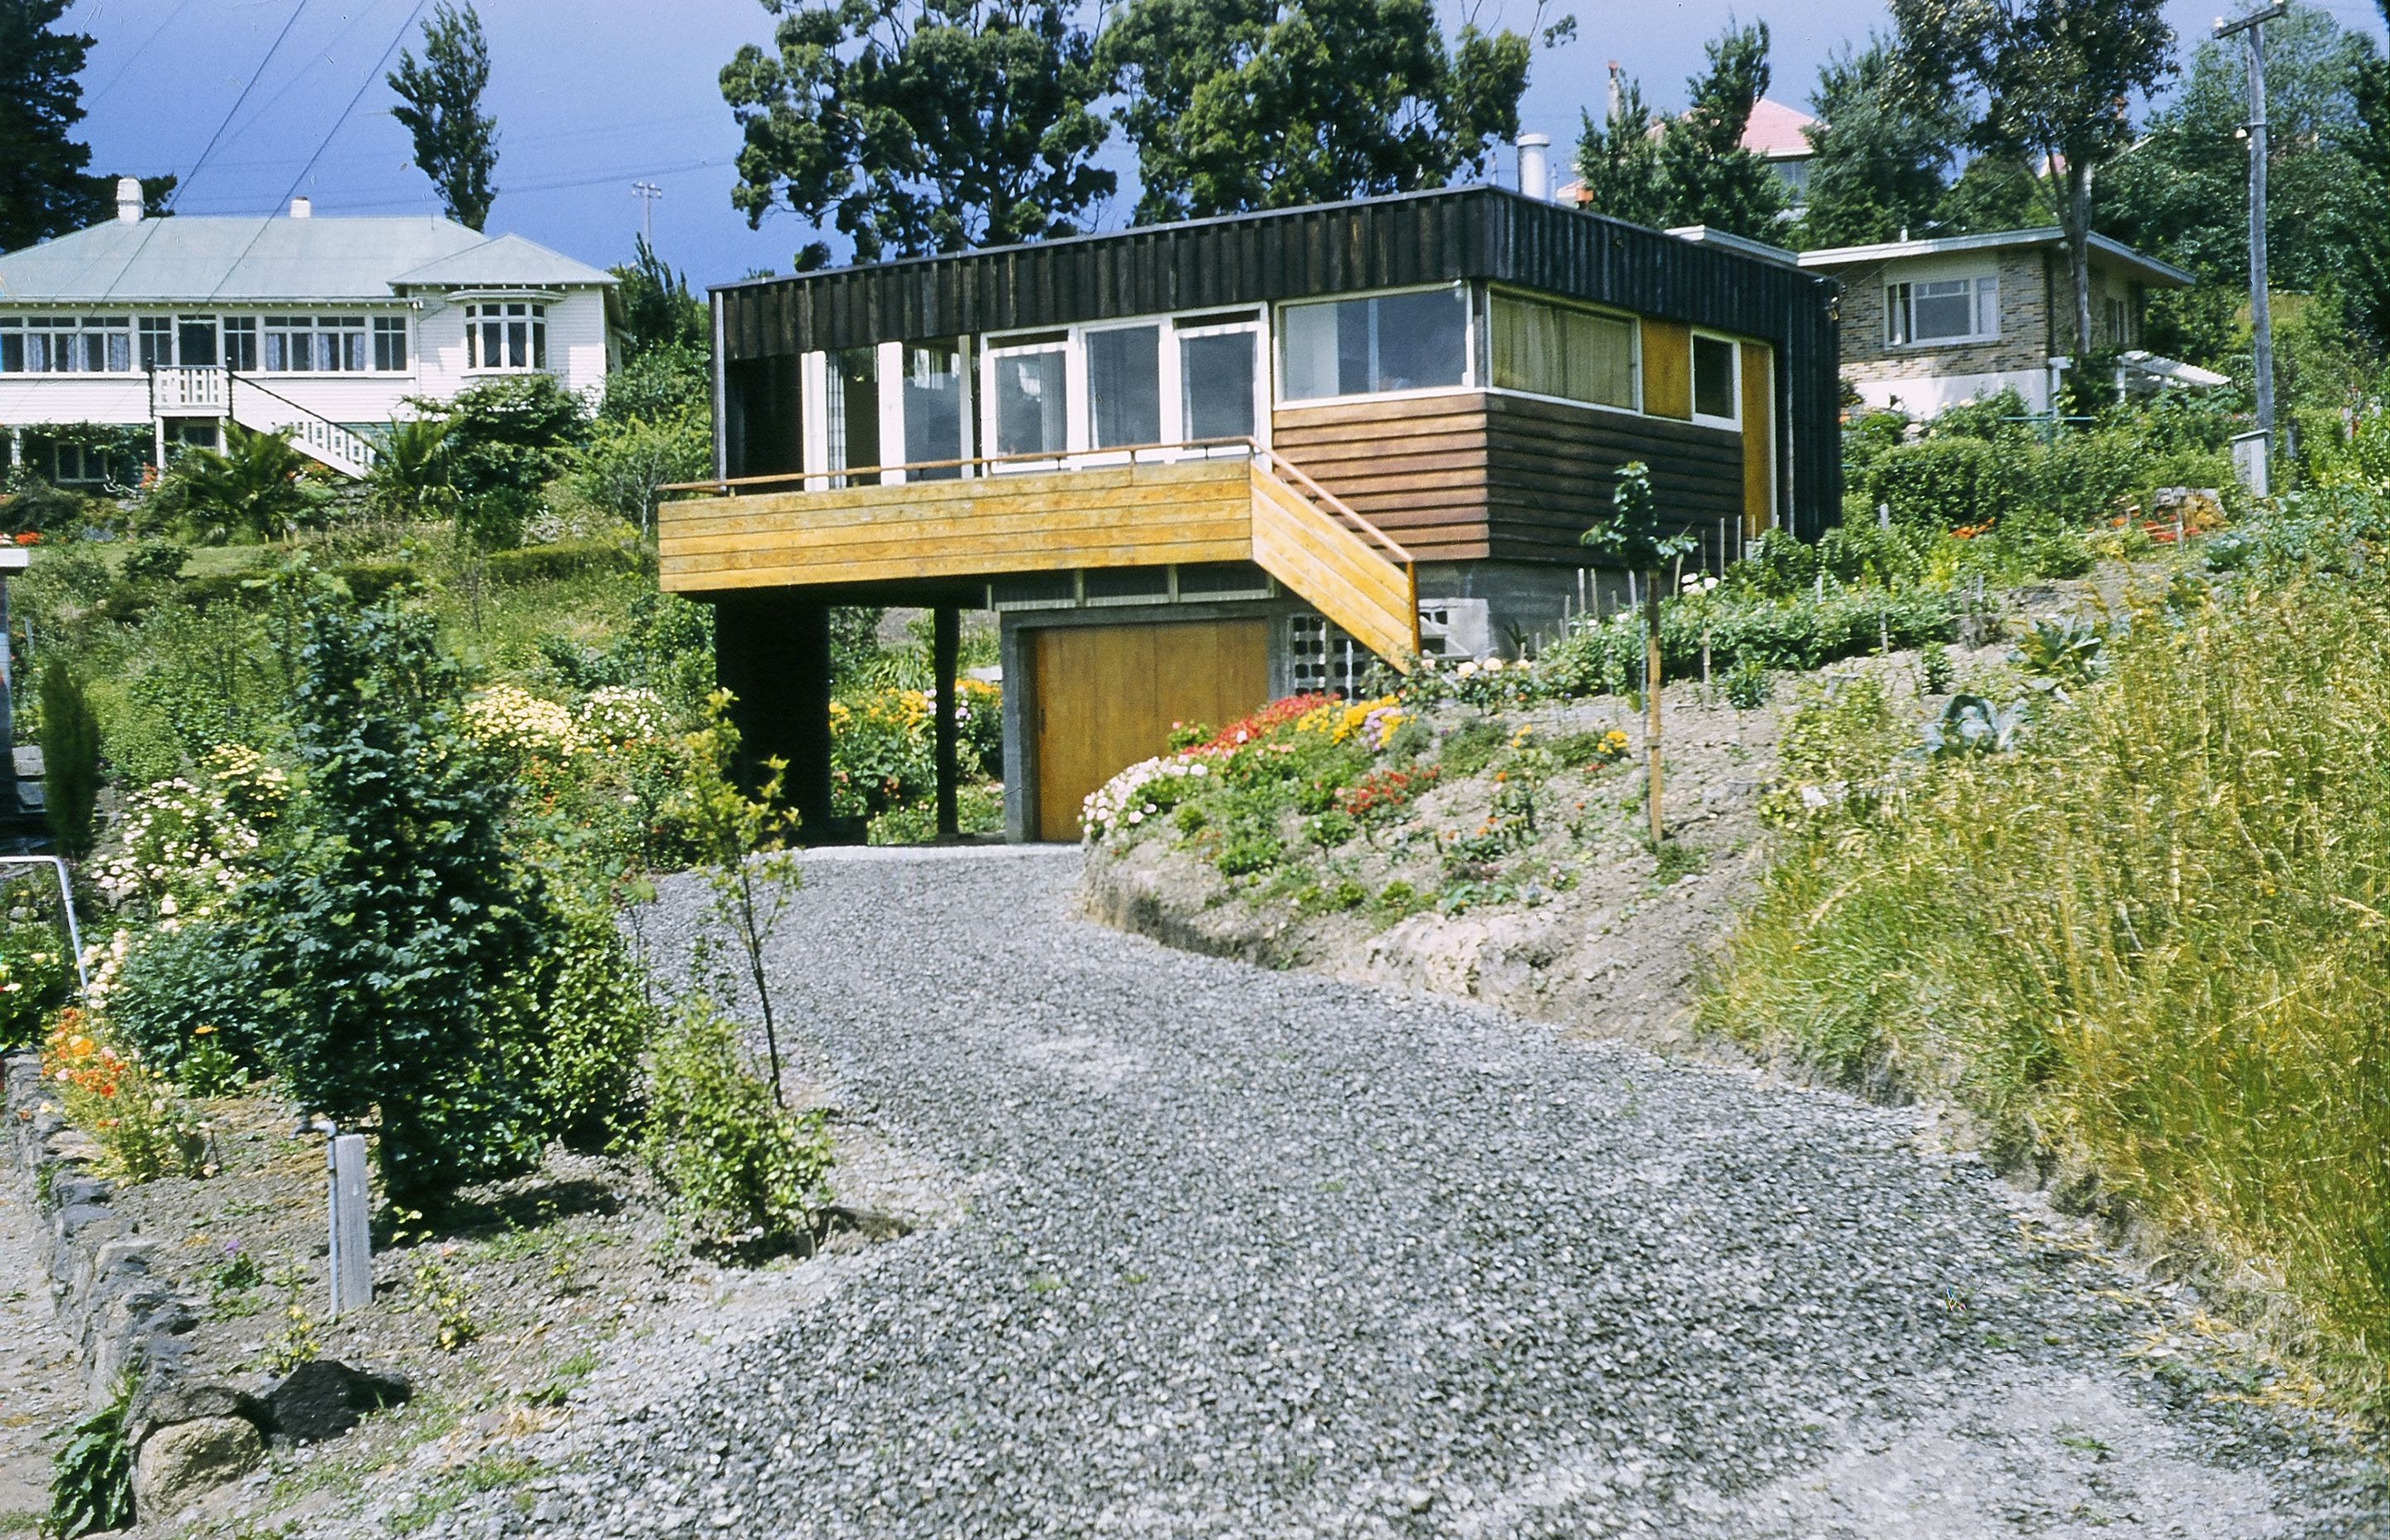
point(345, 1156)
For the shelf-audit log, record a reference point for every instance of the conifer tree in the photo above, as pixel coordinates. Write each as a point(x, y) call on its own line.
point(456, 142)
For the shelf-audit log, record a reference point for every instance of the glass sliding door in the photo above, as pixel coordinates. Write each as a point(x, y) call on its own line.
point(936, 410)
point(1125, 386)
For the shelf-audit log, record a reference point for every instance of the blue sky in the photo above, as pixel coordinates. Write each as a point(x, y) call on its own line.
point(593, 95)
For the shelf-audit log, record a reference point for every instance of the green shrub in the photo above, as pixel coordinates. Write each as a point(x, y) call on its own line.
point(1471, 747)
point(1942, 484)
point(34, 973)
point(1247, 852)
point(2151, 939)
point(565, 558)
point(596, 1022)
point(1794, 633)
point(1330, 829)
point(69, 757)
point(371, 582)
point(155, 561)
point(394, 938)
point(742, 1171)
point(1748, 684)
point(183, 986)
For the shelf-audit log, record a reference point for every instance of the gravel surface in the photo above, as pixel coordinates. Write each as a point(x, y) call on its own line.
point(1244, 1253)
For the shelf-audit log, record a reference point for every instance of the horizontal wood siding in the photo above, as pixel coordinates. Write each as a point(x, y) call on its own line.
point(1149, 516)
point(1476, 233)
point(1473, 475)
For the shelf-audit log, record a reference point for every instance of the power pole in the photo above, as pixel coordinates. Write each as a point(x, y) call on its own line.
point(2261, 309)
point(646, 193)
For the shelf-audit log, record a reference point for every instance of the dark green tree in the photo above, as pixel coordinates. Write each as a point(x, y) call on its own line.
point(918, 126)
point(1882, 162)
point(2046, 79)
point(1690, 170)
point(1710, 178)
point(69, 757)
point(456, 142)
point(658, 309)
point(45, 190)
point(1998, 191)
point(504, 440)
point(1619, 161)
point(2183, 191)
point(394, 939)
point(1255, 104)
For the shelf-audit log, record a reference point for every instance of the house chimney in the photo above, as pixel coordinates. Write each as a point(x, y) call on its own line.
point(302, 208)
point(128, 200)
point(1535, 166)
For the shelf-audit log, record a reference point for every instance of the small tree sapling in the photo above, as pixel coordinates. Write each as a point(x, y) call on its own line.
point(1634, 536)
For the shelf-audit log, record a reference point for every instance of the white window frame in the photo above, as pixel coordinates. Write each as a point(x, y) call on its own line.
point(402, 327)
point(993, 349)
point(892, 400)
point(1693, 384)
point(536, 351)
point(1209, 323)
point(1633, 363)
point(315, 326)
point(1082, 395)
point(1471, 346)
point(1900, 320)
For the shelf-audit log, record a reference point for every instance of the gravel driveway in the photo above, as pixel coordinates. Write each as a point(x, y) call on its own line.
point(1261, 1255)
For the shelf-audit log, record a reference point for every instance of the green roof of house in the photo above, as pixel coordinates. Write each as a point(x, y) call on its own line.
point(193, 259)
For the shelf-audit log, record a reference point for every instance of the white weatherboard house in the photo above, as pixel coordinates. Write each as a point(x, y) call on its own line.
point(320, 327)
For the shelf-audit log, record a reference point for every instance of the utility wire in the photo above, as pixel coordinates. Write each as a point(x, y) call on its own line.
point(126, 68)
point(338, 124)
point(259, 73)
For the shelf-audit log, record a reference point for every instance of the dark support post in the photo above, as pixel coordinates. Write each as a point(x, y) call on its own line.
point(945, 650)
point(771, 652)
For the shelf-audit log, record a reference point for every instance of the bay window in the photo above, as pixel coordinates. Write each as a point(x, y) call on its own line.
point(1382, 342)
point(513, 335)
point(1558, 350)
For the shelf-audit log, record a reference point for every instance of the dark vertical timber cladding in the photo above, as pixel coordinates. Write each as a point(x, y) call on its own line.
point(1479, 233)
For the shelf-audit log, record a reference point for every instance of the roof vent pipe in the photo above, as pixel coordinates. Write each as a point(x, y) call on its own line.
point(1535, 166)
point(128, 200)
point(302, 208)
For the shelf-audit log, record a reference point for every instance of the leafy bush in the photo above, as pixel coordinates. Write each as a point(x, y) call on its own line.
point(34, 972)
point(393, 938)
point(596, 1024)
point(566, 559)
point(183, 986)
point(1944, 483)
point(743, 1171)
point(371, 582)
point(2150, 938)
point(155, 561)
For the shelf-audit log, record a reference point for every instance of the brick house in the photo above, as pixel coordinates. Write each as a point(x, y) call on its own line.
point(1927, 324)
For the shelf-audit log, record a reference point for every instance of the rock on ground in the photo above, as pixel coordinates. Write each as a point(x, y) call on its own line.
point(185, 1460)
point(1265, 1254)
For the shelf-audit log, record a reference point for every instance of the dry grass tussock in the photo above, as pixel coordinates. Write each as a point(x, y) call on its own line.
point(2154, 938)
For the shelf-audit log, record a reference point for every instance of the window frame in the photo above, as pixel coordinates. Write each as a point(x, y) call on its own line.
point(1635, 348)
point(994, 348)
point(1734, 382)
point(1218, 323)
point(1900, 310)
point(535, 318)
point(390, 335)
point(1471, 338)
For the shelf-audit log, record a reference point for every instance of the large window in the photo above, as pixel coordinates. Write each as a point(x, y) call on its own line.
point(1217, 375)
point(852, 420)
point(390, 343)
point(195, 340)
point(156, 350)
point(1552, 349)
point(314, 345)
point(1715, 395)
point(508, 336)
point(935, 409)
point(1947, 310)
point(1030, 396)
point(239, 344)
point(1384, 342)
point(1125, 386)
point(67, 344)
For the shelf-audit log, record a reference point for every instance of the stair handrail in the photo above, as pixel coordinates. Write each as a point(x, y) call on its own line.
point(333, 431)
point(1288, 471)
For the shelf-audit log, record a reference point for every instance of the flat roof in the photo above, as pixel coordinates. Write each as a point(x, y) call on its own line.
point(2149, 269)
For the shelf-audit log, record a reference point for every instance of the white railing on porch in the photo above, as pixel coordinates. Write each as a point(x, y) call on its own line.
point(212, 391)
point(198, 390)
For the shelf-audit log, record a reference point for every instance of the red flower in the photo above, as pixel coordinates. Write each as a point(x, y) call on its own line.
point(31, 537)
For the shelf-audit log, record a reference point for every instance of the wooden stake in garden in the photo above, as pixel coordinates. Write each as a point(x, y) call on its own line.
point(1632, 535)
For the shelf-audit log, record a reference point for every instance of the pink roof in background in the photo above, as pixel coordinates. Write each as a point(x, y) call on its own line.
point(1775, 130)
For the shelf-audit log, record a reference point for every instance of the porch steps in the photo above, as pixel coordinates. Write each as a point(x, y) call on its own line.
point(1335, 560)
point(201, 390)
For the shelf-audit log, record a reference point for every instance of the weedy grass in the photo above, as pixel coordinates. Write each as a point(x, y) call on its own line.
point(2154, 937)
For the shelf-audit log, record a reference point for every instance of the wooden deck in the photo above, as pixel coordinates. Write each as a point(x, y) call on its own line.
point(1245, 506)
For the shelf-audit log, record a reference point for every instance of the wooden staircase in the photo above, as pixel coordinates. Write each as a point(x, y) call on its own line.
point(1335, 560)
point(212, 391)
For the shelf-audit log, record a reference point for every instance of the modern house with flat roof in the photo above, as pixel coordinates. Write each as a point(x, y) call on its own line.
point(1930, 323)
point(1195, 466)
point(320, 327)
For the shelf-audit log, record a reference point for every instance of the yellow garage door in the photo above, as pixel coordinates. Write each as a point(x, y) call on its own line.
point(1107, 696)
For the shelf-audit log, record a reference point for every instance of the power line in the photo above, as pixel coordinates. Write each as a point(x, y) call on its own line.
point(338, 124)
point(259, 73)
point(126, 68)
point(557, 186)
